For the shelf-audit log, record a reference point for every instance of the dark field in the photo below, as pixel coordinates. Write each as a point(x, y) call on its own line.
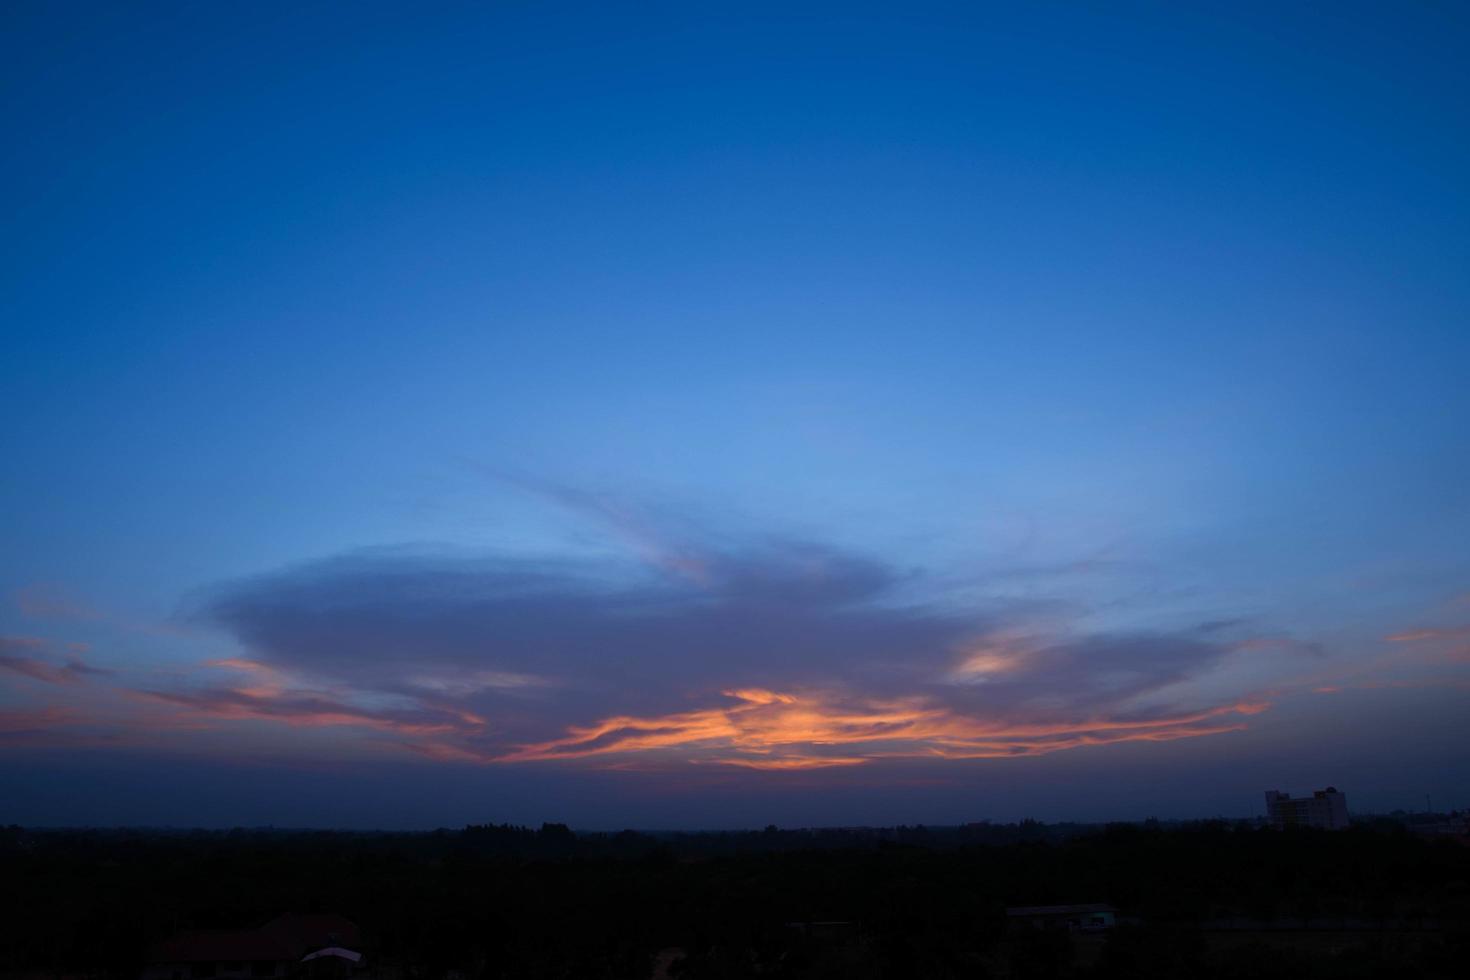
point(1198, 900)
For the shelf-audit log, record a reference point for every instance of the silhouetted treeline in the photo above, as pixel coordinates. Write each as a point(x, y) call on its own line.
point(491, 901)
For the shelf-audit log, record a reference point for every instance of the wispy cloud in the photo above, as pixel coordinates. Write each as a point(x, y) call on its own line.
point(295, 708)
point(630, 525)
point(26, 722)
point(784, 731)
point(1421, 635)
point(45, 601)
point(24, 655)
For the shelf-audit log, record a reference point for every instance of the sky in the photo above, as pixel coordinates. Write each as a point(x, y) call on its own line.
point(710, 415)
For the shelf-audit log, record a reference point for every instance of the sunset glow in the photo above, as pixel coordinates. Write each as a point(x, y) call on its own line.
point(667, 417)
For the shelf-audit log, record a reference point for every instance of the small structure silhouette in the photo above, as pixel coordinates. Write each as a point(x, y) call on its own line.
point(1093, 917)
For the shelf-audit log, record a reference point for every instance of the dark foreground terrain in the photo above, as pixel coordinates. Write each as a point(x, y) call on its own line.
point(1197, 900)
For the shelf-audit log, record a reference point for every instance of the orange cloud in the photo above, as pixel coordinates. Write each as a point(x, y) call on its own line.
point(769, 730)
point(756, 695)
point(980, 664)
point(793, 762)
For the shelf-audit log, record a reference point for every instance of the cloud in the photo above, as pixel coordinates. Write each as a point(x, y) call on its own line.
point(781, 732)
point(43, 601)
point(17, 725)
point(391, 620)
point(1449, 645)
point(298, 708)
point(630, 525)
point(15, 657)
point(1280, 643)
point(783, 655)
point(1420, 635)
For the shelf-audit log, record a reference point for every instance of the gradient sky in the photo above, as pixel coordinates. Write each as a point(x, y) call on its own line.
point(707, 415)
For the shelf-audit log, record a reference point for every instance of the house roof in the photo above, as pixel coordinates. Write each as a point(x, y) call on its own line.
point(1037, 910)
point(206, 945)
point(286, 938)
point(305, 933)
point(334, 951)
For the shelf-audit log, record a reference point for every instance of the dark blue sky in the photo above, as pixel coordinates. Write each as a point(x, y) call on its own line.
point(706, 415)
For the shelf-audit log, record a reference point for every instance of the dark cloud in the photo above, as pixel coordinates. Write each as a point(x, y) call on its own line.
point(733, 649)
point(807, 613)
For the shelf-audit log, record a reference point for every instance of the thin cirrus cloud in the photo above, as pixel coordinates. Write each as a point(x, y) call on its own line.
point(785, 656)
point(43, 601)
point(28, 656)
point(1449, 644)
point(22, 724)
point(1420, 635)
point(305, 708)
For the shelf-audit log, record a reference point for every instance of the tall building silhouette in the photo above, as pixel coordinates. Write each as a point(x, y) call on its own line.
point(1326, 808)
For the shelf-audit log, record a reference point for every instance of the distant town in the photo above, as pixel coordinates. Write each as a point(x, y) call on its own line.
point(1306, 887)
